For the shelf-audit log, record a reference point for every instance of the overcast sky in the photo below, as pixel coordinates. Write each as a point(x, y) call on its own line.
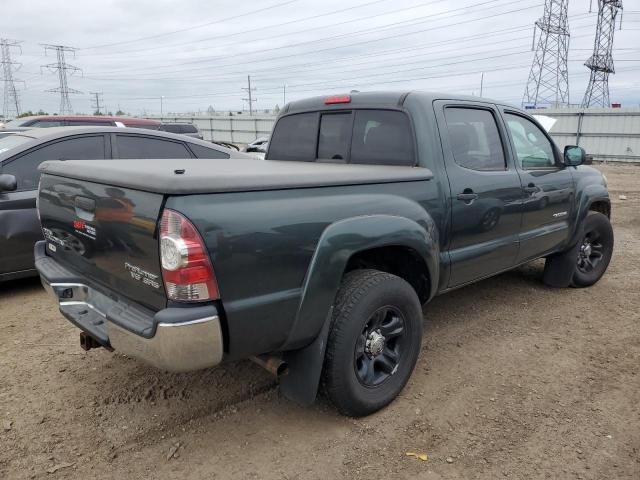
point(197, 53)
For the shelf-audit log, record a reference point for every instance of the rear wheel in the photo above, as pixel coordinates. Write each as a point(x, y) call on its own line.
point(374, 341)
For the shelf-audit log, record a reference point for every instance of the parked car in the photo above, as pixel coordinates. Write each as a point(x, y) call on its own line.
point(187, 129)
point(22, 152)
point(46, 121)
point(258, 145)
point(317, 260)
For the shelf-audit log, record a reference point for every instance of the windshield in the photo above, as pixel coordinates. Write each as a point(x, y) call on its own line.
point(11, 141)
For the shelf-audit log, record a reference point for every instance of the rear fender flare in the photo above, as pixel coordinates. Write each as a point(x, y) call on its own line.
point(337, 244)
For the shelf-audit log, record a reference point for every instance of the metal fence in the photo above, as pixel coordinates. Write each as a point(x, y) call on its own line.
point(233, 129)
point(606, 133)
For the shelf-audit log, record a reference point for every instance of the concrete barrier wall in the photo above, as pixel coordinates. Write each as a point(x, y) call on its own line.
point(236, 129)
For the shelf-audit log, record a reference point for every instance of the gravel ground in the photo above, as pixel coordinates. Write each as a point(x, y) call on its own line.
point(515, 380)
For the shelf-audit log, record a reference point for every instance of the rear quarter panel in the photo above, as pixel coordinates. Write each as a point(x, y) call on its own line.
point(262, 244)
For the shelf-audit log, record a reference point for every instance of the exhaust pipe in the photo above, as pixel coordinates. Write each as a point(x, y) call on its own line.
point(272, 364)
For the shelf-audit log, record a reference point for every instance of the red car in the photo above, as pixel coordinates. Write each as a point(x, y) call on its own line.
point(81, 121)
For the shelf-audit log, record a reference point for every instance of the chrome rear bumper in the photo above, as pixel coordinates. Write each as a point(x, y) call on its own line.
point(175, 339)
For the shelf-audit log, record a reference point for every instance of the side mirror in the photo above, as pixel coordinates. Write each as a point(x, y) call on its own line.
point(574, 155)
point(8, 183)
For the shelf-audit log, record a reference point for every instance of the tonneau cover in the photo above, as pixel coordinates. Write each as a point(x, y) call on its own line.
point(227, 175)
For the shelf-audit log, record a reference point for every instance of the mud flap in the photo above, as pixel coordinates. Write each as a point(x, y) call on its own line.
point(560, 267)
point(300, 385)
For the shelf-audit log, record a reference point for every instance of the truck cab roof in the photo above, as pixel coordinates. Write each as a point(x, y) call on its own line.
point(387, 99)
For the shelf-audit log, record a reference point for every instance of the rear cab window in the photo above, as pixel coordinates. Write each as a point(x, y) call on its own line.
point(364, 136)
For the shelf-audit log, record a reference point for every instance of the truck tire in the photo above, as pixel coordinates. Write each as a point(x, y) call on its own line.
point(373, 343)
point(583, 264)
point(594, 251)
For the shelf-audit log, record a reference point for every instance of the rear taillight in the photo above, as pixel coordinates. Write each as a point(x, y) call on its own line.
point(186, 269)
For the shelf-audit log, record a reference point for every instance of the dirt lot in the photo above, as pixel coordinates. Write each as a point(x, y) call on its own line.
point(515, 380)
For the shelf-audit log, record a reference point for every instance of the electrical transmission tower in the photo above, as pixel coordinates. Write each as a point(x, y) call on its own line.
point(11, 104)
point(601, 62)
point(249, 91)
point(95, 102)
point(62, 67)
point(548, 82)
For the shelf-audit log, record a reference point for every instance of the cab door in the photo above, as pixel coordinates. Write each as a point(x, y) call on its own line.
point(486, 194)
point(547, 186)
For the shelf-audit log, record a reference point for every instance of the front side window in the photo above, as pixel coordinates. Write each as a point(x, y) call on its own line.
point(130, 146)
point(25, 167)
point(475, 140)
point(533, 148)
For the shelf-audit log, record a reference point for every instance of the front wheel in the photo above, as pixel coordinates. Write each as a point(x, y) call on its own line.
point(583, 264)
point(594, 251)
point(373, 343)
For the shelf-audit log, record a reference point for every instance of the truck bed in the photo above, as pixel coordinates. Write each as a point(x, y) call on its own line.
point(227, 175)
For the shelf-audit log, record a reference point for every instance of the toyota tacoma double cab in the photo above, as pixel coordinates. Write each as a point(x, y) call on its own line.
point(316, 261)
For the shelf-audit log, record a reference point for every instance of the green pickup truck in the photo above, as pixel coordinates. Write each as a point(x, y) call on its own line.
point(315, 262)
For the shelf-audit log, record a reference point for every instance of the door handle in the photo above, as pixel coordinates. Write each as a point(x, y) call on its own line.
point(531, 188)
point(467, 195)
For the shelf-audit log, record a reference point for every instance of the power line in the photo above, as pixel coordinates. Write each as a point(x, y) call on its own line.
point(278, 25)
point(61, 66)
point(202, 25)
point(353, 44)
point(11, 102)
point(548, 82)
point(601, 62)
point(324, 64)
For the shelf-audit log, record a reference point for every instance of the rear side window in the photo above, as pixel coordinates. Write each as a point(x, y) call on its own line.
point(294, 138)
point(205, 152)
point(382, 137)
point(187, 128)
point(25, 168)
point(146, 126)
point(89, 123)
point(46, 123)
point(130, 146)
point(475, 141)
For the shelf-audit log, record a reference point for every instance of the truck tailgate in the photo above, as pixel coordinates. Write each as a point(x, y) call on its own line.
point(105, 233)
